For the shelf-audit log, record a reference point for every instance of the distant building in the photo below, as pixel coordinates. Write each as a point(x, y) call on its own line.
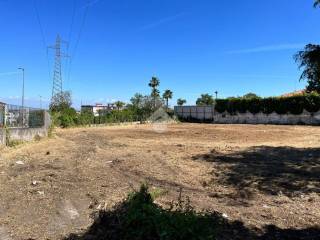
point(295, 93)
point(99, 108)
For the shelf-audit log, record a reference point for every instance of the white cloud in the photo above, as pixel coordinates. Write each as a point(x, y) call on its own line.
point(269, 48)
point(8, 73)
point(161, 21)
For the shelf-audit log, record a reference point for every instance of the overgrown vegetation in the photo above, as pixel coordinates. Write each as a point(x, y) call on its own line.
point(139, 218)
point(280, 105)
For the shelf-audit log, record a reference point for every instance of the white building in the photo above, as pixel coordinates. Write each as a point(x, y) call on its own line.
point(99, 108)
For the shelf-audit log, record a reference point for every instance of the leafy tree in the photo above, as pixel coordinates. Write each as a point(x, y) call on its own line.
point(316, 3)
point(137, 100)
point(205, 100)
point(181, 102)
point(155, 93)
point(66, 117)
point(309, 60)
point(167, 95)
point(119, 104)
point(60, 102)
point(250, 96)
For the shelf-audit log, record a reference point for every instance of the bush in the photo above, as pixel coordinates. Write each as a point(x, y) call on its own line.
point(65, 118)
point(312, 103)
point(85, 118)
point(221, 105)
point(281, 105)
point(254, 105)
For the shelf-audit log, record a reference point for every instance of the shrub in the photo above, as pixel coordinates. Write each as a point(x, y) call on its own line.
point(282, 105)
point(312, 102)
point(253, 105)
point(268, 105)
point(221, 105)
point(67, 118)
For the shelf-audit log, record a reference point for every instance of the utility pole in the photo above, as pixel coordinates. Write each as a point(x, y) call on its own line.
point(22, 98)
point(40, 101)
point(57, 75)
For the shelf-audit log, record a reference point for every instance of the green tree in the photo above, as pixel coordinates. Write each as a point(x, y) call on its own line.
point(167, 95)
point(155, 93)
point(137, 100)
point(181, 102)
point(309, 60)
point(205, 100)
point(60, 102)
point(250, 95)
point(119, 105)
point(317, 3)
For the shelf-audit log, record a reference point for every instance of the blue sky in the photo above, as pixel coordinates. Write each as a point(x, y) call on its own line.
point(194, 47)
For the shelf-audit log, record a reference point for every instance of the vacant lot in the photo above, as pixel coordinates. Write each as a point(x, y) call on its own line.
point(259, 175)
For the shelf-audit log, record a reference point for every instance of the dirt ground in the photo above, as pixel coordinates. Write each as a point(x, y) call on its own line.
point(260, 175)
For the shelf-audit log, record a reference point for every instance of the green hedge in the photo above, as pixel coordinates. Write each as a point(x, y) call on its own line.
point(280, 105)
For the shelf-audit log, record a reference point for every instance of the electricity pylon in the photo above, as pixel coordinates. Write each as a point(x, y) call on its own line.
point(57, 75)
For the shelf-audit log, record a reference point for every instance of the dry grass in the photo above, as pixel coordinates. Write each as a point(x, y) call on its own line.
point(255, 174)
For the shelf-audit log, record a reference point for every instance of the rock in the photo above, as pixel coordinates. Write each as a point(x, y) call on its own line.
point(34, 183)
point(19, 162)
point(225, 215)
point(41, 192)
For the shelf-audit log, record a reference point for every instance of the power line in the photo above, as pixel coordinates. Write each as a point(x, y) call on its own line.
point(69, 39)
point(79, 35)
point(42, 35)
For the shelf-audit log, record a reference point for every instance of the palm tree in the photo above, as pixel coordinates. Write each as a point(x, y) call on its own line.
point(167, 95)
point(205, 100)
point(181, 102)
point(119, 105)
point(154, 83)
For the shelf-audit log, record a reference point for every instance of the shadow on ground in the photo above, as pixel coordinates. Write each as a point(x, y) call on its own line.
point(272, 170)
point(139, 218)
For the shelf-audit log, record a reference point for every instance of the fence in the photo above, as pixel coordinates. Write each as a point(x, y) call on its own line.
point(195, 113)
point(13, 116)
point(22, 123)
point(2, 114)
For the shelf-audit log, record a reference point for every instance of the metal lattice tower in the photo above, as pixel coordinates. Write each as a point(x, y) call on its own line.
point(57, 71)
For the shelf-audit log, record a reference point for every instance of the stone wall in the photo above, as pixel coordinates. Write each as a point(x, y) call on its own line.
point(208, 114)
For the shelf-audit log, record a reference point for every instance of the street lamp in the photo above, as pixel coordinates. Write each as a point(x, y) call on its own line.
point(40, 102)
point(22, 100)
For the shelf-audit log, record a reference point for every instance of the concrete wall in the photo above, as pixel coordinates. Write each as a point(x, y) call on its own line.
point(208, 114)
point(26, 134)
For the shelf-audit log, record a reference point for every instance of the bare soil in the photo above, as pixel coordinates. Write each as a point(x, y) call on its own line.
point(256, 174)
